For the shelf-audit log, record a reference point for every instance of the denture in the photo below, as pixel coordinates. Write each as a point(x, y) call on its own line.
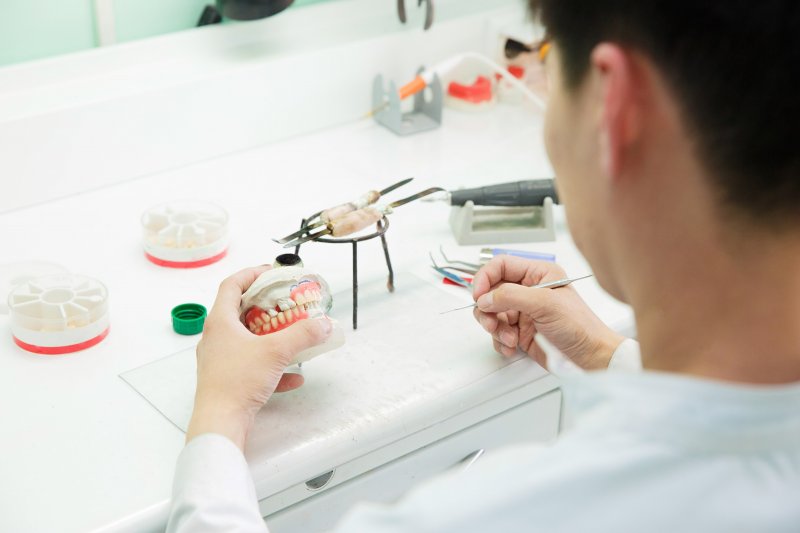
point(284, 295)
point(304, 300)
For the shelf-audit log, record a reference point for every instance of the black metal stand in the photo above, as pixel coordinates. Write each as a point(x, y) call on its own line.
point(381, 227)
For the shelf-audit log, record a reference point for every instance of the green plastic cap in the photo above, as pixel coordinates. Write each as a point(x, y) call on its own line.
point(188, 319)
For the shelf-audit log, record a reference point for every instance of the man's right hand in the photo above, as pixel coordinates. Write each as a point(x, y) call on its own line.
point(513, 312)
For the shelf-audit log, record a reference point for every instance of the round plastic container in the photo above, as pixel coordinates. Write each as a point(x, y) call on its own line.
point(58, 314)
point(12, 274)
point(185, 234)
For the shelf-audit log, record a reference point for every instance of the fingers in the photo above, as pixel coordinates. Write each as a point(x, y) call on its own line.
point(301, 335)
point(231, 289)
point(504, 335)
point(510, 297)
point(289, 382)
point(512, 269)
point(502, 349)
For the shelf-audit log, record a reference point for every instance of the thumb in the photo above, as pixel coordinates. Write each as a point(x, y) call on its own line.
point(513, 297)
point(302, 334)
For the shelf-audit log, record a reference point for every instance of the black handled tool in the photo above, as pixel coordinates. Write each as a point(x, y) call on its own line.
point(513, 194)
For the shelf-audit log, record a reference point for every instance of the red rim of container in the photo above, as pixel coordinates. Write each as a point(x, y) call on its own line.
point(186, 264)
point(59, 350)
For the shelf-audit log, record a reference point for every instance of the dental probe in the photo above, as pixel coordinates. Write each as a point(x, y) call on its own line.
point(548, 285)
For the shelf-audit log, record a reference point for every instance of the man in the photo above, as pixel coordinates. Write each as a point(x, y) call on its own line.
point(673, 130)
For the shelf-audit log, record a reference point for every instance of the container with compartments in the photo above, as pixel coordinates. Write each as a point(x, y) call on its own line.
point(58, 314)
point(185, 234)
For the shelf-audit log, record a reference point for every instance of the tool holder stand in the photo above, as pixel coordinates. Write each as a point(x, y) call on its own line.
point(426, 115)
point(381, 227)
point(492, 225)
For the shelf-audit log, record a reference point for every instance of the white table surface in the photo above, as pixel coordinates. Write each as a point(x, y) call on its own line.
point(79, 448)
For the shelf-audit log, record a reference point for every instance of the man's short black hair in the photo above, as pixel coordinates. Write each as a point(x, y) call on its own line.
point(734, 66)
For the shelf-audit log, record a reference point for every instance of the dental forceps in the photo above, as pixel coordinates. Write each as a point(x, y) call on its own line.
point(548, 285)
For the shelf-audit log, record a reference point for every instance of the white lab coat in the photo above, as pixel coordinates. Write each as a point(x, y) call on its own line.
point(648, 452)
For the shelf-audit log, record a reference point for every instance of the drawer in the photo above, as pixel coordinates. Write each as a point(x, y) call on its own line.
point(535, 420)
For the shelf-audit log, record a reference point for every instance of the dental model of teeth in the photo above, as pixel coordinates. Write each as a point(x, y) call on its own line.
point(185, 234)
point(59, 314)
point(285, 295)
point(303, 303)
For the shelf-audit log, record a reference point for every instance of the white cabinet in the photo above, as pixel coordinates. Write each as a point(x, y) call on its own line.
point(534, 420)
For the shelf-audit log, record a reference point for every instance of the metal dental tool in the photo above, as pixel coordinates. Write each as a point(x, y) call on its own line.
point(470, 268)
point(455, 278)
point(326, 216)
point(357, 220)
point(548, 285)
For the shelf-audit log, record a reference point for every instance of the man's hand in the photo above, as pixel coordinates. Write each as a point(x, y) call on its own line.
point(237, 371)
point(513, 312)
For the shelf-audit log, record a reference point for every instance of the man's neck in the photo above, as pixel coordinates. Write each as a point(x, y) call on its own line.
point(727, 315)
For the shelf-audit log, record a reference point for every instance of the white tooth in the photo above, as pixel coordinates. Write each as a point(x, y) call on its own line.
point(266, 327)
point(274, 322)
point(272, 312)
point(258, 321)
point(283, 304)
point(309, 295)
point(252, 327)
point(281, 318)
point(292, 303)
point(318, 295)
point(300, 299)
point(290, 314)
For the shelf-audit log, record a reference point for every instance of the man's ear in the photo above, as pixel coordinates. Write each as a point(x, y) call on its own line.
point(619, 102)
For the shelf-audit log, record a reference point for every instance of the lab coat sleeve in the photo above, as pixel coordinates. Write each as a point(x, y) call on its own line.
point(213, 490)
point(626, 357)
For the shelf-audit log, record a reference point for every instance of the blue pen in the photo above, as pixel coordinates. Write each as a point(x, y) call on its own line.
point(488, 253)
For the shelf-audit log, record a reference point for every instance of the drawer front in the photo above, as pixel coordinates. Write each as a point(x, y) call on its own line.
point(536, 420)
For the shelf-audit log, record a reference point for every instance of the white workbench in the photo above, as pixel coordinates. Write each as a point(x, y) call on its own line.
point(81, 450)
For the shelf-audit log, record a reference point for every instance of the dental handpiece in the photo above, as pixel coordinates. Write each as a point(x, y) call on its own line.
point(512, 194)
